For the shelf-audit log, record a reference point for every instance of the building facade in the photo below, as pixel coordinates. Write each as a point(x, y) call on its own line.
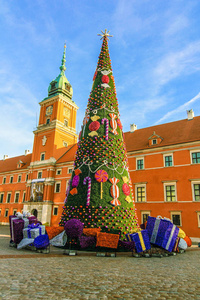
point(164, 163)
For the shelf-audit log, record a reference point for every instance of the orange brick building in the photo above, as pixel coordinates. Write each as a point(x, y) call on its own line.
point(164, 163)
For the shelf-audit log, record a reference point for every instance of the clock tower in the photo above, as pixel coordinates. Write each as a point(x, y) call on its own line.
point(57, 122)
point(56, 131)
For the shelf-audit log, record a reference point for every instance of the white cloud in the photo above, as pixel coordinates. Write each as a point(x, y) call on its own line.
point(179, 109)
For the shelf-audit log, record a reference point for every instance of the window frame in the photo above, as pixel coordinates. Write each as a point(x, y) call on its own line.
point(11, 179)
point(191, 158)
point(39, 172)
point(58, 170)
point(24, 196)
point(195, 182)
point(1, 197)
point(145, 212)
point(171, 183)
point(4, 180)
point(164, 159)
point(19, 178)
point(42, 154)
point(6, 212)
point(178, 213)
point(198, 218)
point(136, 192)
point(70, 170)
point(55, 207)
point(8, 194)
point(137, 160)
point(17, 192)
point(57, 183)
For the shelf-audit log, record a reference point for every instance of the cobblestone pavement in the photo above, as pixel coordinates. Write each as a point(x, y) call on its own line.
point(85, 276)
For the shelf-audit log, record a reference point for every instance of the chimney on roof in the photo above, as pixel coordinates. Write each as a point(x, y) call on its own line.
point(133, 127)
point(190, 114)
point(27, 152)
point(5, 157)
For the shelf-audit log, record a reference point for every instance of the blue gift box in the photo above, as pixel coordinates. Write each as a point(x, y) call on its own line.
point(141, 240)
point(162, 232)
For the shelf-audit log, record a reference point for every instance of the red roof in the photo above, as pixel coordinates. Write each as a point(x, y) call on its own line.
point(10, 164)
point(178, 132)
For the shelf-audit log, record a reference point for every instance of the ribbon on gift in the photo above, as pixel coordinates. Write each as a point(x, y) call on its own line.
point(141, 241)
point(170, 237)
point(33, 226)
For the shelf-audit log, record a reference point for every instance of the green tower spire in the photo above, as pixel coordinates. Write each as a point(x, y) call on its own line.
point(62, 67)
point(61, 85)
point(100, 192)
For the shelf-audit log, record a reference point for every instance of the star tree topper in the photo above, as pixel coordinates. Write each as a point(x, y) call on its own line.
point(106, 33)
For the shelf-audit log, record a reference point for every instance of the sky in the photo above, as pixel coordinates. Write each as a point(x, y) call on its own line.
point(155, 55)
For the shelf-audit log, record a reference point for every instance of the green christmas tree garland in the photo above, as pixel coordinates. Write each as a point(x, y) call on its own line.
point(100, 191)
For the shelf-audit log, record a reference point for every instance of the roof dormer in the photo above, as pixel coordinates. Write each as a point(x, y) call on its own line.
point(155, 139)
point(20, 164)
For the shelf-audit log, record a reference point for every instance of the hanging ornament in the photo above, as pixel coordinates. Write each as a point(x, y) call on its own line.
point(73, 191)
point(105, 79)
point(75, 182)
point(107, 126)
point(119, 124)
point(93, 133)
point(113, 124)
point(106, 72)
point(95, 118)
point(128, 199)
point(114, 190)
point(126, 189)
point(101, 176)
point(94, 126)
point(125, 179)
point(88, 179)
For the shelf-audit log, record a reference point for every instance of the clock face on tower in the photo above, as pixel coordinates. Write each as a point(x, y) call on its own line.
point(49, 110)
point(66, 112)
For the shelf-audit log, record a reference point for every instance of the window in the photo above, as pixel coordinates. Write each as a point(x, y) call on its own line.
point(6, 213)
point(24, 196)
point(198, 218)
point(1, 197)
point(154, 142)
point(8, 198)
point(195, 157)
point(70, 171)
point(14, 211)
point(140, 193)
point(4, 180)
point(19, 178)
point(66, 123)
point(57, 187)
point(170, 192)
point(67, 182)
point(26, 177)
point(55, 210)
point(139, 163)
point(168, 160)
point(39, 175)
point(58, 172)
point(48, 121)
point(0, 212)
point(16, 197)
point(144, 216)
point(196, 191)
point(176, 218)
point(42, 156)
point(65, 144)
point(11, 179)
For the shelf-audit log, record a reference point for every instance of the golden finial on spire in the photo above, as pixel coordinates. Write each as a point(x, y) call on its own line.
point(105, 34)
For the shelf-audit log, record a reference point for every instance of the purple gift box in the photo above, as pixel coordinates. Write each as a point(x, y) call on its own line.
point(17, 225)
point(141, 240)
point(33, 230)
point(162, 232)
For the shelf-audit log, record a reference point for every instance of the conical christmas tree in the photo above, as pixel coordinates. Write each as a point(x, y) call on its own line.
point(100, 191)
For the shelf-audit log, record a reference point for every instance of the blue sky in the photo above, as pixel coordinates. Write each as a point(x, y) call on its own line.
point(155, 54)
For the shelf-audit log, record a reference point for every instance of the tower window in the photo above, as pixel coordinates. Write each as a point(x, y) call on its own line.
point(66, 123)
point(48, 121)
point(42, 157)
point(53, 85)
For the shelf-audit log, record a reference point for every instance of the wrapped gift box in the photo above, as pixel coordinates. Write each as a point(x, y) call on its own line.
point(162, 232)
point(141, 240)
point(107, 240)
point(33, 230)
point(17, 225)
